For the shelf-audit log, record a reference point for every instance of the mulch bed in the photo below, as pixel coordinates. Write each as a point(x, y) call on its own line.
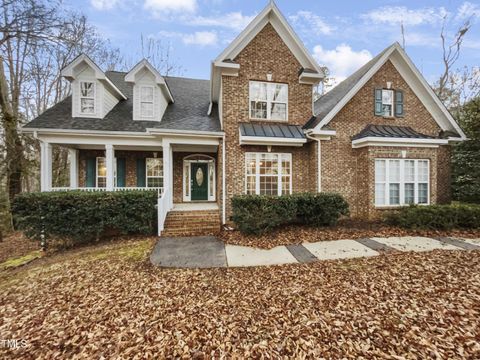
point(410, 305)
point(16, 245)
point(346, 229)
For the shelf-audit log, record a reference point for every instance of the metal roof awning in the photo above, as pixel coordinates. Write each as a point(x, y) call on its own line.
point(271, 134)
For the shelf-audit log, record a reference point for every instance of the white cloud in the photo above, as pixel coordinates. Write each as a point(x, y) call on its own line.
point(341, 61)
point(395, 15)
point(201, 38)
point(233, 20)
point(103, 4)
point(314, 23)
point(468, 10)
point(160, 8)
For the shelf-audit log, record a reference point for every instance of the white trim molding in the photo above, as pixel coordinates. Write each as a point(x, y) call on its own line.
point(404, 142)
point(212, 181)
point(260, 140)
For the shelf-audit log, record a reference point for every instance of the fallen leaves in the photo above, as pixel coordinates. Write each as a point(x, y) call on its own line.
point(407, 305)
point(346, 229)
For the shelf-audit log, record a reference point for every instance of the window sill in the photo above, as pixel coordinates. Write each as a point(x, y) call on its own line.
point(394, 207)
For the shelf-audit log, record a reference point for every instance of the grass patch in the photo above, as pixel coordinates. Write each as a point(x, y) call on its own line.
point(19, 261)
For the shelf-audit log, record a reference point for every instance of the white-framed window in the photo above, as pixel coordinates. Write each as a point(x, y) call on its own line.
point(87, 97)
point(387, 102)
point(146, 101)
point(268, 101)
point(401, 182)
point(101, 180)
point(154, 173)
point(268, 173)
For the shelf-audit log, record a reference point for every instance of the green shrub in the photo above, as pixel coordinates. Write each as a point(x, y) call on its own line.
point(437, 217)
point(322, 209)
point(84, 216)
point(256, 214)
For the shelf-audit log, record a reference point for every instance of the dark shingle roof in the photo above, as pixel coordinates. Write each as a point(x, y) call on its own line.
point(188, 112)
point(390, 131)
point(272, 130)
point(327, 102)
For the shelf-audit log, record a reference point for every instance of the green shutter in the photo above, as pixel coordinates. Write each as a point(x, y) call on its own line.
point(399, 103)
point(378, 102)
point(91, 172)
point(121, 172)
point(141, 172)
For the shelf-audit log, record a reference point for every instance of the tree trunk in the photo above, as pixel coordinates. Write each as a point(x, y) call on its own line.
point(13, 143)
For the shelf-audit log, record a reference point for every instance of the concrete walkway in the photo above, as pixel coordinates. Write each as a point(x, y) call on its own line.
point(209, 252)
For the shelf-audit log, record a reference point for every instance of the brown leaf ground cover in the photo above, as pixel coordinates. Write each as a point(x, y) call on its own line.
point(16, 244)
point(106, 300)
point(346, 229)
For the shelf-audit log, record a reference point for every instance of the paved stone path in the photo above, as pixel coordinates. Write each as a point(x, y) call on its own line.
point(209, 252)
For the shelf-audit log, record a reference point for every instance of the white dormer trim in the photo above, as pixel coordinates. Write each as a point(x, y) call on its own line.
point(159, 80)
point(69, 72)
point(414, 79)
point(270, 14)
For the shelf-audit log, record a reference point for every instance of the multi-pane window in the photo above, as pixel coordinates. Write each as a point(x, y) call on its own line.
point(268, 173)
point(101, 180)
point(268, 101)
point(87, 97)
point(146, 101)
point(154, 172)
point(401, 182)
point(387, 102)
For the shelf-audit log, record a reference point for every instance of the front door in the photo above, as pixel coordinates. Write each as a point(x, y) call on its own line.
point(199, 179)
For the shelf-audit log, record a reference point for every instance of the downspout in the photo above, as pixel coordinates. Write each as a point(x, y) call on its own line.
point(223, 181)
point(319, 161)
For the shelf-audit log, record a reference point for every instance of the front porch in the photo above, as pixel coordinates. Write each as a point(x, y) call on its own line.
point(185, 176)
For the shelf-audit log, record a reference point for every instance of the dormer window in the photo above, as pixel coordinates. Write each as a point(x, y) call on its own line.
point(146, 101)
point(87, 97)
point(268, 101)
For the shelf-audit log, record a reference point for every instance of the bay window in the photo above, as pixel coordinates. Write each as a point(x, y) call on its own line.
point(268, 101)
point(268, 173)
point(87, 97)
point(401, 182)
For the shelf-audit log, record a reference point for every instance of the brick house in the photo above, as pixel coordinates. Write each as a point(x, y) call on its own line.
point(381, 138)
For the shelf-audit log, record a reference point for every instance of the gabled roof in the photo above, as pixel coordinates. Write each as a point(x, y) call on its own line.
point(390, 131)
point(188, 113)
point(144, 64)
point(327, 106)
point(69, 72)
point(272, 14)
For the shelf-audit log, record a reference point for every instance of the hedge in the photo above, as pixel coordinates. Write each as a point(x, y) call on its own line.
point(84, 216)
point(437, 217)
point(257, 214)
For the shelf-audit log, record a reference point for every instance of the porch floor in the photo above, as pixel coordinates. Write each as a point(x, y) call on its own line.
point(195, 206)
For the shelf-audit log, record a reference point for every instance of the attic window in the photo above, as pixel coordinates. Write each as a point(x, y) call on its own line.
point(87, 97)
point(146, 101)
point(268, 101)
point(387, 103)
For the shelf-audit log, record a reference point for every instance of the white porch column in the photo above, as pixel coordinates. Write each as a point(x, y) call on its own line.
point(167, 170)
point(109, 159)
point(45, 166)
point(73, 157)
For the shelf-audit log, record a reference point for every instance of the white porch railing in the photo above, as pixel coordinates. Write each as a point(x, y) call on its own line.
point(93, 189)
point(163, 207)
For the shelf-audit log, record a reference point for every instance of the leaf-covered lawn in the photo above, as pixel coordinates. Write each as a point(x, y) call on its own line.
point(107, 301)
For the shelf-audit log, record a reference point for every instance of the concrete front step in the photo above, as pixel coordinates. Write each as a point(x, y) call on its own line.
point(192, 223)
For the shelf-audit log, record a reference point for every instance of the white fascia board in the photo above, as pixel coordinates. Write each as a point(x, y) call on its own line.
point(258, 140)
point(375, 141)
point(155, 131)
point(430, 92)
point(228, 65)
point(322, 132)
point(310, 78)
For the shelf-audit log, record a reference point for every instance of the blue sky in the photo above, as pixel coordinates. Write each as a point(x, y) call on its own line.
point(340, 34)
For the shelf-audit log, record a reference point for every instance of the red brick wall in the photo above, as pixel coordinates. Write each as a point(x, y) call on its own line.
point(350, 171)
point(265, 53)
